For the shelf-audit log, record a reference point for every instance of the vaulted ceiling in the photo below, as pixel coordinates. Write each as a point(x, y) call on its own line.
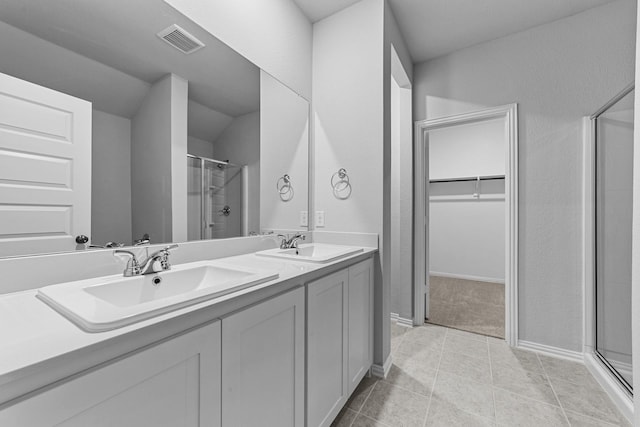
point(433, 28)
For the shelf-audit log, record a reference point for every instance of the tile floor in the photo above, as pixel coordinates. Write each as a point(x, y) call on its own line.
point(469, 305)
point(447, 377)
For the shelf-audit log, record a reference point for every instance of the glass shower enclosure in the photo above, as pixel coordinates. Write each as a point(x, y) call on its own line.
point(215, 199)
point(613, 129)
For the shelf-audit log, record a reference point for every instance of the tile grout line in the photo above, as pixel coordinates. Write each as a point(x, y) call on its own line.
point(493, 391)
point(359, 411)
point(435, 378)
point(546, 374)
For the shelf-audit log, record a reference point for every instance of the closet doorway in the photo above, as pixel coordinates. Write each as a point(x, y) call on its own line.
point(466, 222)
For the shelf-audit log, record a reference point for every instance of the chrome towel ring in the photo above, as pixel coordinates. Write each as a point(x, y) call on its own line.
point(284, 187)
point(340, 184)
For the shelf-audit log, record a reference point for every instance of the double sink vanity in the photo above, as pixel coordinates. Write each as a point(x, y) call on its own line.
point(278, 337)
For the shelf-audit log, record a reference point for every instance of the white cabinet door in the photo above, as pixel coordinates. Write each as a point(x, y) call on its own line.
point(45, 168)
point(360, 321)
point(327, 388)
point(174, 383)
point(263, 363)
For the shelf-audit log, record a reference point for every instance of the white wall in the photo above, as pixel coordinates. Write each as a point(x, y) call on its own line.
point(199, 147)
point(159, 162)
point(179, 137)
point(474, 149)
point(348, 128)
point(240, 144)
point(284, 149)
point(275, 35)
point(347, 107)
point(467, 237)
point(557, 73)
point(111, 179)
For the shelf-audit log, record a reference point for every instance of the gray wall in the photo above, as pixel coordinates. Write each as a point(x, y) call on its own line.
point(557, 73)
point(240, 144)
point(284, 149)
point(111, 179)
point(158, 139)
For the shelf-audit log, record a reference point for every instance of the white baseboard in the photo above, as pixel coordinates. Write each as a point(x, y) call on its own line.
point(611, 386)
point(548, 350)
point(467, 277)
point(402, 321)
point(382, 371)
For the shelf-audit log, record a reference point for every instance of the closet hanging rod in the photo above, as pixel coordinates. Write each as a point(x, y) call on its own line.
point(468, 178)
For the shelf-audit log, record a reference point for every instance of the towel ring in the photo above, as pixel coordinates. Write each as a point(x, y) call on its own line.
point(340, 184)
point(284, 187)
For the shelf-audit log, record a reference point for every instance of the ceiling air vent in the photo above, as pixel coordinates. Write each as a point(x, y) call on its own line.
point(180, 39)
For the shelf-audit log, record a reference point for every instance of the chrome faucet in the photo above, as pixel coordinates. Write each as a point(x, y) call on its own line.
point(154, 263)
point(289, 243)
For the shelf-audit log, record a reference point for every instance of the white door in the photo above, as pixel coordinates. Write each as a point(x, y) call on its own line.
point(45, 168)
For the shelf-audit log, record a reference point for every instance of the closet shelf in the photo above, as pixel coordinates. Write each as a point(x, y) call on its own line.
point(468, 178)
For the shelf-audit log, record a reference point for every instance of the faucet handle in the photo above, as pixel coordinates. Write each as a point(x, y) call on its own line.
point(133, 267)
point(164, 256)
point(284, 243)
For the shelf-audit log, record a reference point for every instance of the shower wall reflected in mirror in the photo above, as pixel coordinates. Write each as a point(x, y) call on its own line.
point(217, 205)
point(613, 218)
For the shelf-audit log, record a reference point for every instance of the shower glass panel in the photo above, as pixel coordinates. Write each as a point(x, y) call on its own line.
point(614, 174)
point(215, 199)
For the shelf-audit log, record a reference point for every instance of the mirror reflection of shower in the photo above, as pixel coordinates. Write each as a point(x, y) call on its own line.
point(216, 199)
point(613, 126)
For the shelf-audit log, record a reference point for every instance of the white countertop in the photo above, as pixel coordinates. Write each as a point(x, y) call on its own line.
point(40, 346)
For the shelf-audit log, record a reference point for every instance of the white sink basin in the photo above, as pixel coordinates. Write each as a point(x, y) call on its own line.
point(312, 252)
point(115, 301)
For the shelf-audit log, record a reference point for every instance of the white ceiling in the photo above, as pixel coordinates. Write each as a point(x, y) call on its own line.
point(111, 53)
point(432, 28)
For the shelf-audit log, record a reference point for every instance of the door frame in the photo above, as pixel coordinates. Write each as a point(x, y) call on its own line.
point(509, 113)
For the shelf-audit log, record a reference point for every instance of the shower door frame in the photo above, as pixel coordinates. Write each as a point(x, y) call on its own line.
point(600, 368)
point(508, 113)
point(203, 210)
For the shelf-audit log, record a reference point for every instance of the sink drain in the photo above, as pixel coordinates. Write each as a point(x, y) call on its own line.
point(156, 280)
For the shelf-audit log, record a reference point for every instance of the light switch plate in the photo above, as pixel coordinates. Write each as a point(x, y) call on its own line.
point(319, 219)
point(304, 218)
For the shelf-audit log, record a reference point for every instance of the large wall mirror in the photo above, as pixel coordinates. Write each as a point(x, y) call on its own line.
point(184, 146)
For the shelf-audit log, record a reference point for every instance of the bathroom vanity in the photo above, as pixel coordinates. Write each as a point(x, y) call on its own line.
point(252, 357)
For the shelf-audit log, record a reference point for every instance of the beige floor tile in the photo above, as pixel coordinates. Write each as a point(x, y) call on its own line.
point(363, 421)
point(426, 359)
point(568, 371)
point(463, 394)
point(395, 406)
point(586, 400)
point(420, 341)
point(466, 334)
point(361, 393)
point(445, 414)
point(397, 330)
point(465, 366)
point(577, 420)
point(503, 356)
point(514, 410)
point(345, 418)
point(525, 383)
point(467, 346)
point(412, 375)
